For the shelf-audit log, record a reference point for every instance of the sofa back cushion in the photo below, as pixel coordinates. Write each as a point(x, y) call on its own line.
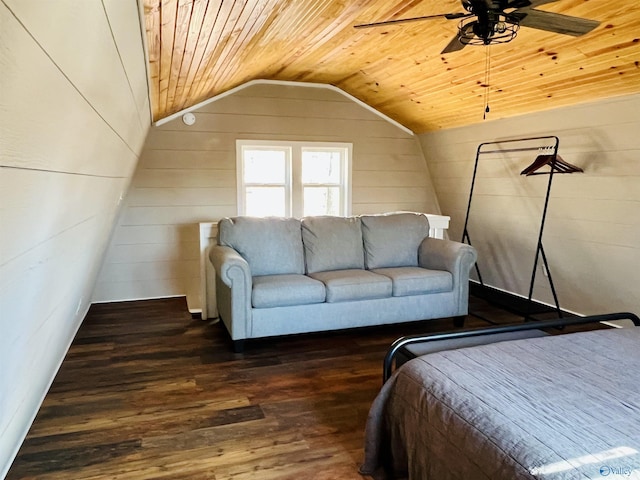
point(392, 240)
point(332, 243)
point(271, 245)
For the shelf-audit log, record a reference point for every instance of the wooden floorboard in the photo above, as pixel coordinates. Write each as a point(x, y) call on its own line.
point(147, 392)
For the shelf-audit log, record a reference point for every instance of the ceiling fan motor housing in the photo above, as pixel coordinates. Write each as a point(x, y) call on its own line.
point(478, 7)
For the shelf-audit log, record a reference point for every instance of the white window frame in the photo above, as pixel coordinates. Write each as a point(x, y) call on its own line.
point(293, 184)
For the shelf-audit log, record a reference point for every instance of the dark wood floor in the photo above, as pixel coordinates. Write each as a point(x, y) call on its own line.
point(147, 392)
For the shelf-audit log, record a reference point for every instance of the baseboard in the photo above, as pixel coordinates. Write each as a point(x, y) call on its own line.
point(513, 302)
point(136, 299)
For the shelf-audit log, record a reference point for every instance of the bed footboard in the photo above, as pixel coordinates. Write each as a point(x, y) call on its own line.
point(401, 342)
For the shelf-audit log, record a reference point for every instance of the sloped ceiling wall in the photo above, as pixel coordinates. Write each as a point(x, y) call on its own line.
point(74, 114)
point(202, 48)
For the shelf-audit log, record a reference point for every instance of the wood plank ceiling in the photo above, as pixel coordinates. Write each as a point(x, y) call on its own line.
point(201, 48)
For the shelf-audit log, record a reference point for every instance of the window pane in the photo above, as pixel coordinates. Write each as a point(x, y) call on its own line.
point(264, 166)
point(322, 201)
point(320, 166)
point(265, 201)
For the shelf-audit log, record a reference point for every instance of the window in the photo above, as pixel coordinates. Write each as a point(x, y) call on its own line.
point(293, 179)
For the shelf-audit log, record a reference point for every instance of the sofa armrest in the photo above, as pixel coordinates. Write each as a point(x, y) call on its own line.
point(229, 264)
point(233, 290)
point(455, 257)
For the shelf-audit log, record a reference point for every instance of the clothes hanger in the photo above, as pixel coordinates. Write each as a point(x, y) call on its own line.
point(555, 162)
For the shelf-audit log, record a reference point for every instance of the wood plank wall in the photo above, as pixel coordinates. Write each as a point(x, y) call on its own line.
point(74, 113)
point(592, 231)
point(188, 175)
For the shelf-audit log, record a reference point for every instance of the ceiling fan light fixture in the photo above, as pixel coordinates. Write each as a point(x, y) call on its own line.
point(470, 32)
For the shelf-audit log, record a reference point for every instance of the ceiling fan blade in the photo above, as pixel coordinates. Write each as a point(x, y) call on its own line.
point(453, 16)
point(448, 16)
point(518, 4)
point(537, 3)
point(454, 45)
point(555, 22)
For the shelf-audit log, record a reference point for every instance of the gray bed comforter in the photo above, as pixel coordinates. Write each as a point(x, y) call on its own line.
point(560, 407)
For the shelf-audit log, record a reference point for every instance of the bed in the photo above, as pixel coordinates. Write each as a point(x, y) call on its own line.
point(553, 407)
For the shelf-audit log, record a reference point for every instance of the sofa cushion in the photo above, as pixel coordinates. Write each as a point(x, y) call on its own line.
point(354, 284)
point(416, 280)
point(284, 290)
point(392, 240)
point(271, 245)
point(332, 243)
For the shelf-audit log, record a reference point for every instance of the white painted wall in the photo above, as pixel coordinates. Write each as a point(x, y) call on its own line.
point(592, 233)
point(187, 175)
point(74, 113)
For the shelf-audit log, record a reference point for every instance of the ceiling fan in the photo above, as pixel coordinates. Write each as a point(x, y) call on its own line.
point(487, 22)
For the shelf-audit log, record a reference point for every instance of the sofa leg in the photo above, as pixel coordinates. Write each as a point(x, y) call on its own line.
point(238, 346)
point(459, 321)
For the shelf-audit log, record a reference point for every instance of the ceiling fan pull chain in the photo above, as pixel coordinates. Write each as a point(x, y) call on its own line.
point(487, 80)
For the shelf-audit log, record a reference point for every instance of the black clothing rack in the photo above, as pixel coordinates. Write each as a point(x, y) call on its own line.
point(550, 158)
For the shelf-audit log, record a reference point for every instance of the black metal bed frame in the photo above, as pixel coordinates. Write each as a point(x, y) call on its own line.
point(449, 335)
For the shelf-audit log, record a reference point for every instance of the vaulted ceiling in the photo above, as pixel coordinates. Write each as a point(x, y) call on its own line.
point(201, 48)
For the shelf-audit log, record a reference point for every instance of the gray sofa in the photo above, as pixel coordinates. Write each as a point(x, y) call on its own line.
point(279, 276)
